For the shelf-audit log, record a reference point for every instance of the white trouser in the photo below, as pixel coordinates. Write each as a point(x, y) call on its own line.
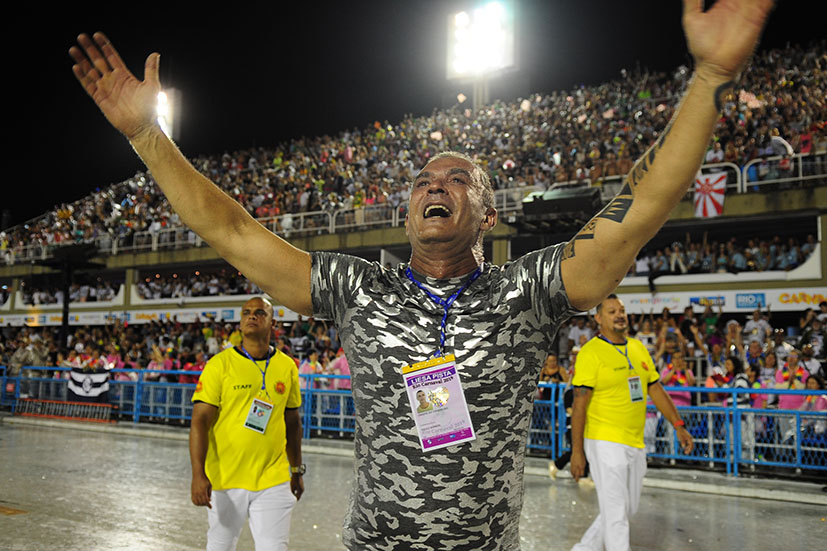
point(748, 436)
point(617, 471)
point(650, 432)
point(269, 512)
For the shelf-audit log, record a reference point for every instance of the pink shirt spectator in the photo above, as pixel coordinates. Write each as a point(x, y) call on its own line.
point(341, 367)
point(758, 401)
point(678, 377)
point(782, 381)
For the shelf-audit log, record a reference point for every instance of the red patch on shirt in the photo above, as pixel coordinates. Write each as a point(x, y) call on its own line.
point(280, 387)
point(643, 365)
point(198, 386)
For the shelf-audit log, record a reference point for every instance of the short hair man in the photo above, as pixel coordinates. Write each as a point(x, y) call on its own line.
point(497, 320)
point(757, 329)
point(612, 378)
point(245, 437)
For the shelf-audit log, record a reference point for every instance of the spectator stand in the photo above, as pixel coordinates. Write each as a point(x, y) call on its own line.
point(771, 135)
point(43, 292)
point(810, 269)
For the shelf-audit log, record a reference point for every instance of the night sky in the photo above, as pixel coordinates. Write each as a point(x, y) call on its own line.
point(260, 74)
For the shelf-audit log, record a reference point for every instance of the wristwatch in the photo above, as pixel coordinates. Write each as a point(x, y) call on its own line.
point(300, 470)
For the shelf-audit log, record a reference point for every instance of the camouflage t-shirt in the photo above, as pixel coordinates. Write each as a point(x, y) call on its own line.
point(467, 496)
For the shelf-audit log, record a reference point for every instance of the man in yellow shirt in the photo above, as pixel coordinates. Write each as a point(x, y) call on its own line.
point(612, 378)
point(245, 440)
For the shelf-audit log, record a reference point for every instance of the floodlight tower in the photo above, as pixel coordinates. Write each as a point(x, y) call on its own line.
point(480, 45)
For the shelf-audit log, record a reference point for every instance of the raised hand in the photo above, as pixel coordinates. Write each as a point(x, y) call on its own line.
point(722, 38)
point(128, 104)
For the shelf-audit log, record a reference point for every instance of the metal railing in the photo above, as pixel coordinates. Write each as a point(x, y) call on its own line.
point(726, 435)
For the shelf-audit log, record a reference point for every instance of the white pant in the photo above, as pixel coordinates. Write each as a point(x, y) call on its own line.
point(269, 512)
point(617, 471)
point(650, 433)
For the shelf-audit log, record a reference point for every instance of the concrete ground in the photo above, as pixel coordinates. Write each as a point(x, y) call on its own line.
point(88, 487)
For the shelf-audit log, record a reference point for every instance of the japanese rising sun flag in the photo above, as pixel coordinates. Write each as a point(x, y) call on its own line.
point(709, 194)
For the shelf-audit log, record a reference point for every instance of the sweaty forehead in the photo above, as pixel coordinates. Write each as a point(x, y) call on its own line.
point(447, 164)
point(257, 304)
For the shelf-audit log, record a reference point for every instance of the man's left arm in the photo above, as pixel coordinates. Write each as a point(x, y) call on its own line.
point(665, 405)
point(721, 41)
point(293, 424)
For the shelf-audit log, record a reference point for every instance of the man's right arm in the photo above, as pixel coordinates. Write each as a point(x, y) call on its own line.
point(203, 417)
point(277, 267)
point(582, 396)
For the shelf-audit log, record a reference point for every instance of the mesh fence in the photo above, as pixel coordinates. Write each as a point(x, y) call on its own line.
point(724, 435)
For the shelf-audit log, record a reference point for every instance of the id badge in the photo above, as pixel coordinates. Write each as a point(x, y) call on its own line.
point(438, 403)
point(635, 389)
point(258, 416)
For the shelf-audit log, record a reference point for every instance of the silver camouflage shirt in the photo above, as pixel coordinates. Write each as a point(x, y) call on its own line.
point(463, 497)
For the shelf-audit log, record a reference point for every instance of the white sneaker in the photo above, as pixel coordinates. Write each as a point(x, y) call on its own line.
point(586, 483)
point(552, 470)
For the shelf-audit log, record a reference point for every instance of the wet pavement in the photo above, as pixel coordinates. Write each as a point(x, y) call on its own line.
point(103, 490)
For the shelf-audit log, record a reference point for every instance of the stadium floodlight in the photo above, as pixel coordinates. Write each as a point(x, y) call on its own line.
point(481, 41)
point(169, 103)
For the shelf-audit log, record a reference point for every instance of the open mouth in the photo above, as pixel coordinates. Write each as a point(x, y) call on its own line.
point(437, 211)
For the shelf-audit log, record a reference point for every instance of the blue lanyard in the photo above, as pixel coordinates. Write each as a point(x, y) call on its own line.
point(266, 365)
point(445, 303)
point(625, 351)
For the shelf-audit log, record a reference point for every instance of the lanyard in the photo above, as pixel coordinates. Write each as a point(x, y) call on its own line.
point(266, 365)
point(445, 303)
point(625, 351)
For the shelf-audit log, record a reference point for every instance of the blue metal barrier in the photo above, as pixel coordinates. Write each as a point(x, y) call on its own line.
point(328, 408)
point(724, 434)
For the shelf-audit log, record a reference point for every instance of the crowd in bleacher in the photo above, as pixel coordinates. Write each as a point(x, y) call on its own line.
point(591, 132)
point(221, 283)
point(732, 256)
point(709, 336)
point(97, 291)
point(163, 345)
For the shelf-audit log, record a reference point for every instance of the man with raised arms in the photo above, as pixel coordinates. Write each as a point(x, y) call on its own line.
point(490, 326)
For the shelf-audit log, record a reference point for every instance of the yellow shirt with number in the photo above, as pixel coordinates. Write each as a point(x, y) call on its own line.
point(239, 457)
point(611, 414)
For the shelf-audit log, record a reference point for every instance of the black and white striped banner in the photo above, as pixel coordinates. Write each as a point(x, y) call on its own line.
point(88, 386)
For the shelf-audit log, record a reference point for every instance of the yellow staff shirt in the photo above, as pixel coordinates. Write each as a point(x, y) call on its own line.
point(603, 367)
point(239, 457)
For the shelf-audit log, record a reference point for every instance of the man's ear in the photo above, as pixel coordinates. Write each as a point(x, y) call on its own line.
point(489, 220)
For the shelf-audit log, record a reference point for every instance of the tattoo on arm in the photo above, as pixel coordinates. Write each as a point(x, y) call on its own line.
point(615, 211)
point(720, 92)
point(586, 233)
point(618, 207)
point(581, 391)
point(642, 166)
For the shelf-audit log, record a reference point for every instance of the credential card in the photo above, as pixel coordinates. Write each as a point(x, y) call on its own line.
point(438, 403)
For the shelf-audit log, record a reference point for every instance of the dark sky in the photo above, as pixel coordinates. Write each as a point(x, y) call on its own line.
point(258, 74)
